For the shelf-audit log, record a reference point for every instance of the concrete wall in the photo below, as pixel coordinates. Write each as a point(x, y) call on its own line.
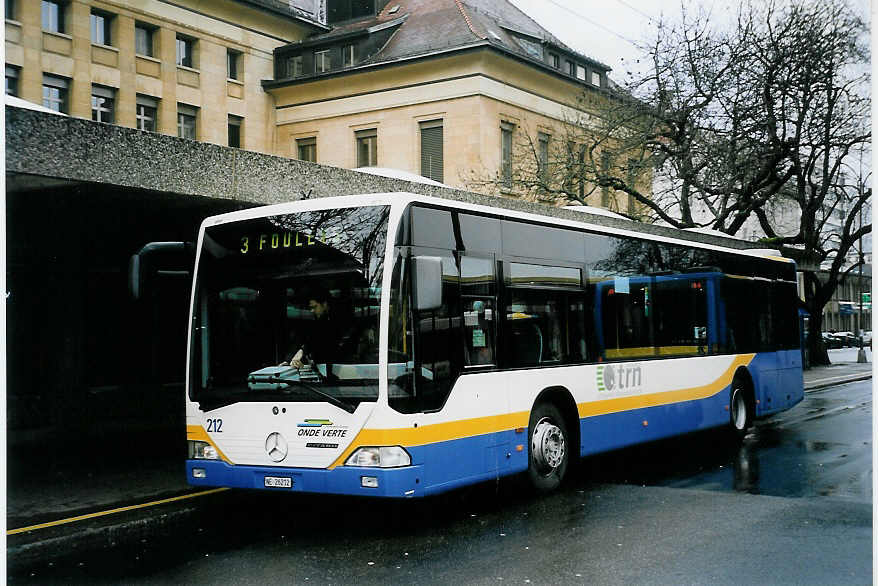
point(46, 146)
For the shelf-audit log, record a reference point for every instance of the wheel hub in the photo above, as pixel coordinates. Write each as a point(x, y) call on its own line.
point(547, 445)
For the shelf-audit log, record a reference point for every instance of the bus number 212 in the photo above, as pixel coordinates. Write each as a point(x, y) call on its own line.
point(214, 426)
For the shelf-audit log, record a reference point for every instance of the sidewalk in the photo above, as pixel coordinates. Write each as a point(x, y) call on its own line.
point(48, 482)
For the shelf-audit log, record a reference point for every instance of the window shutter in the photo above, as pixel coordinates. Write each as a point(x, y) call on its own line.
point(431, 150)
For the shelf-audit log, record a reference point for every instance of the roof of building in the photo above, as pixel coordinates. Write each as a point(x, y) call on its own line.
point(426, 27)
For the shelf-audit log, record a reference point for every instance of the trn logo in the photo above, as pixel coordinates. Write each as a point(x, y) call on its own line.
point(613, 377)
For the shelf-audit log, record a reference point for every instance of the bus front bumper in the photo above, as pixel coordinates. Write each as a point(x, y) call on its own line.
point(404, 482)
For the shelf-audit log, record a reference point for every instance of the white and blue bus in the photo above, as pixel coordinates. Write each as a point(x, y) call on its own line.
point(399, 345)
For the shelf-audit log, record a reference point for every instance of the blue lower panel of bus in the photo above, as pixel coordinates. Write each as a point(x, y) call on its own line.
point(391, 482)
point(617, 430)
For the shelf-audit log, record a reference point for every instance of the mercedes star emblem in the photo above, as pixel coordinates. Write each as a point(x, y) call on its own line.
point(276, 446)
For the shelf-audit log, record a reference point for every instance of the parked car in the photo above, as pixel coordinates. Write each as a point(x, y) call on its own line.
point(831, 341)
point(867, 339)
point(848, 339)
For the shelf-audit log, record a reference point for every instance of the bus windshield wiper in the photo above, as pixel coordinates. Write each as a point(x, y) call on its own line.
point(334, 400)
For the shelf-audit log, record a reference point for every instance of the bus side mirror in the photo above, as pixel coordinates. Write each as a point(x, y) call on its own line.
point(172, 259)
point(427, 273)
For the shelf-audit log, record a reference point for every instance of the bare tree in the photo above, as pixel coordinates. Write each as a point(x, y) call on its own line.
point(729, 122)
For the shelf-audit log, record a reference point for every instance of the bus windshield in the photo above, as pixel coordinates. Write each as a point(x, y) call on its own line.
point(287, 309)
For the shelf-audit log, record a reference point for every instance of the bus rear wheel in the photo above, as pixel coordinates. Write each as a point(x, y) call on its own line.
point(549, 448)
point(741, 410)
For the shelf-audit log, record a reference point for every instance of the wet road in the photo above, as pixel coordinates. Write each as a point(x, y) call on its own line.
point(792, 504)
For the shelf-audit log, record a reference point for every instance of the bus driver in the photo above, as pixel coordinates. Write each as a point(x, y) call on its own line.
point(325, 339)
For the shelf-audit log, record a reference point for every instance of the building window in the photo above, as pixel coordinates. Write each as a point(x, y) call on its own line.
point(580, 72)
point(322, 61)
point(100, 27)
point(556, 60)
point(571, 68)
point(235, 124)
point(506, 131)
point(10, 9)
point(147, 108)
point(143, 39)
point(55, 91)
point(367, 148)
point(103, 101)
point(295, 66)
point(596, 78)
point(233, 63)
point(185, 51)
point(53, 16)
point(348, 55)
point(431, 150)
point(186, 121)
point(12, 80)
point(543, 153)
point(307, 149)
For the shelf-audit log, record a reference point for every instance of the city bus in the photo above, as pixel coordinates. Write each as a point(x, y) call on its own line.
point(399, 345)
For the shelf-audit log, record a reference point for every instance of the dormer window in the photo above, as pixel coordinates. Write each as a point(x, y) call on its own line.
point(348, 55)
point(295, 66)
point(532, 48)
point(580, 72)
point(596, 78)
point(322, 61)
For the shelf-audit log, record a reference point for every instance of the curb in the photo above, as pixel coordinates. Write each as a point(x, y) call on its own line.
point(82, 541)
point(832, 383)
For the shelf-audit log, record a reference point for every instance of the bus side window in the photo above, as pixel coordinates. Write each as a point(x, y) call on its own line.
point(438, 352)
point(680, 315)
point(626, 317)
point(477, 289)
point(535, 327)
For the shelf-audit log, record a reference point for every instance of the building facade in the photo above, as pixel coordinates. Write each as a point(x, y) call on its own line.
point(164, 67)
point(440, 88)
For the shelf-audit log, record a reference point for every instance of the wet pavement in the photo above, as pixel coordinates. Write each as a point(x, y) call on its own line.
point(817, 452)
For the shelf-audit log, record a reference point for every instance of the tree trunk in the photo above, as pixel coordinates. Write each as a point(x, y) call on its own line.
point(816, 348)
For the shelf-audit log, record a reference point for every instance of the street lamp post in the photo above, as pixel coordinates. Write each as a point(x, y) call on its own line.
point(861, 354)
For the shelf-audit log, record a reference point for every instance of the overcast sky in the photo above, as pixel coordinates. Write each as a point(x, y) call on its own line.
point(608, 30)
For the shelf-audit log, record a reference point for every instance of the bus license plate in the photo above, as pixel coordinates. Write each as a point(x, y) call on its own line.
point(278, 482)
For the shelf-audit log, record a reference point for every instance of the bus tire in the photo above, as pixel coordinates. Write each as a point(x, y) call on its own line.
point(740, 409)
point(548, 448)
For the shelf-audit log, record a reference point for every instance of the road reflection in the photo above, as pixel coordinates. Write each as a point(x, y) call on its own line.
point(820, 448)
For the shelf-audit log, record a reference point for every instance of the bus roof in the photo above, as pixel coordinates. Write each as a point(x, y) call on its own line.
point(512, 209)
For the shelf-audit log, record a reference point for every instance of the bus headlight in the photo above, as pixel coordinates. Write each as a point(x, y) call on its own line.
point(380, 457)
point(202, 451)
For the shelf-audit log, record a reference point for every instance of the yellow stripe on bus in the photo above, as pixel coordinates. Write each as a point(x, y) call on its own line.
point(606, 406)
point(440, 432)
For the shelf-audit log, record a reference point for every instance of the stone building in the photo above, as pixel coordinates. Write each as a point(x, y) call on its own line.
point(440, 88)
point(173, 68)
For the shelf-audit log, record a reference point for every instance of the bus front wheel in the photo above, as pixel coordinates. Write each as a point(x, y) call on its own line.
point(549, 448)
point(741, 411)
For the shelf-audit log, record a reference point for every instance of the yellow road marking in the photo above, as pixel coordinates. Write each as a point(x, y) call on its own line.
point(112, 511)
